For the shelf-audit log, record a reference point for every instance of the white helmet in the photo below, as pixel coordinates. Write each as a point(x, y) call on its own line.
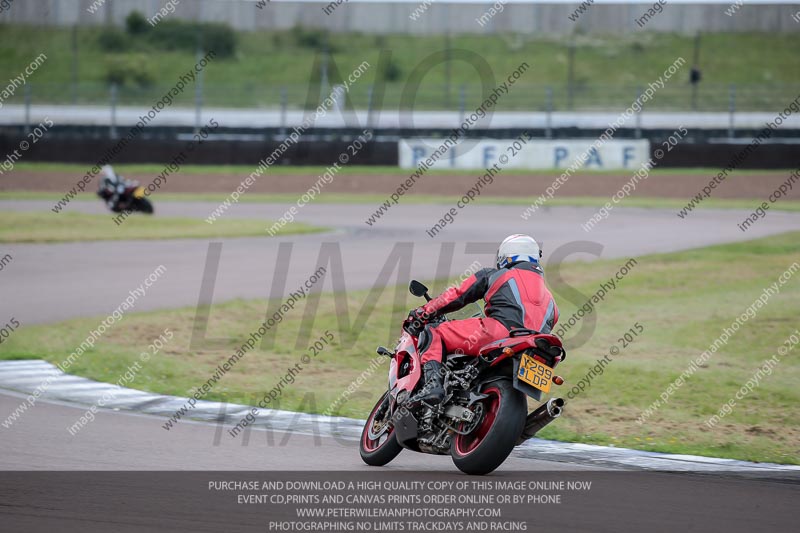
point(516, 248)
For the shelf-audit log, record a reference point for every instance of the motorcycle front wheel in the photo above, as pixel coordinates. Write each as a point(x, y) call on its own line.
point(489, 440)
point(378, 443)
point(143, 205)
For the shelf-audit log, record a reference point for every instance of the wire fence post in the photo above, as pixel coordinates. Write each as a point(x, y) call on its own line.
point(447, 62)
point(462, 101)
point(284, 105)
point(113, 127)
point(198, 97)
point(639, 93)
point(570, 74)
point(548, 131)
point(323, 74)
point(370, 95)
point(74, 65)
point(27, 93)
point(731, 109)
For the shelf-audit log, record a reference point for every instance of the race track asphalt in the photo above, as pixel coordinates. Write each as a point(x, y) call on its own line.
point(39, 440)
point(51, 282)
point(123, 472)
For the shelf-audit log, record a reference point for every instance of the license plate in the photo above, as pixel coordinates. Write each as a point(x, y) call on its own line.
point(138, 192)
point(535, 373)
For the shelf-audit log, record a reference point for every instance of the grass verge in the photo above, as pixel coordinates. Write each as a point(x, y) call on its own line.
point(65, 227)
point(243, 170)
point(668, 294)
point(377, 199)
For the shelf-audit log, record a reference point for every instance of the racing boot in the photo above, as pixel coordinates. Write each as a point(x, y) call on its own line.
point(432, 391)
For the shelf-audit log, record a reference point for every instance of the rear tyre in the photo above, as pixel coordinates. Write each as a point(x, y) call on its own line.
point(493, 435)
point(143, 205)
point(378, 443)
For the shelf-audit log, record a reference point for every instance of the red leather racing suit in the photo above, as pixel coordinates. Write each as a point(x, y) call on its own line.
point(516, 297)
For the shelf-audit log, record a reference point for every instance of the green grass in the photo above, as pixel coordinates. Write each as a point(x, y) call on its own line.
point(377, 199)
point(328, 197)
point(154, 168)
point(683, 300)
point(607, 68)
point(63, 227)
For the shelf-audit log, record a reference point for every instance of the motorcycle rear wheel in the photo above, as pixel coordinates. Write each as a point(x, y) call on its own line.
point(378, 448)
point(492, 438)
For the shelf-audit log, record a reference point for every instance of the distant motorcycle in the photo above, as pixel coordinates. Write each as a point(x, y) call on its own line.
point(483, 414)
point(122, 194)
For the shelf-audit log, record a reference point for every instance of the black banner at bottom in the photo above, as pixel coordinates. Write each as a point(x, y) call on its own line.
point(389, 501)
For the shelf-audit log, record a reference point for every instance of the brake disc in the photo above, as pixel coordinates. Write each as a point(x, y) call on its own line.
point(478, 411)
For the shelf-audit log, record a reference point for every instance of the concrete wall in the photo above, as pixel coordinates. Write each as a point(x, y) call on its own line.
point(393, 17)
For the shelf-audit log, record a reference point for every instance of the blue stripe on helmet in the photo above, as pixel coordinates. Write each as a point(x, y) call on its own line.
point(516, 258)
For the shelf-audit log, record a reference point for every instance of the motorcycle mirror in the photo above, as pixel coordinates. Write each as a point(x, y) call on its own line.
point(417, 289)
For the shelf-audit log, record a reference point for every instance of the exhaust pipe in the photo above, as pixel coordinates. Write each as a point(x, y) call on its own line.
point(539, 418)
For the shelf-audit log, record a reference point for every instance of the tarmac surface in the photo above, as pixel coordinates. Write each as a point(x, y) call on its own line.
point(124, 472)
point(116, 441)
point(52, 282)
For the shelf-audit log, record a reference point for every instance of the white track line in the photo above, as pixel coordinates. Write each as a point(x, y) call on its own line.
point(75, 389)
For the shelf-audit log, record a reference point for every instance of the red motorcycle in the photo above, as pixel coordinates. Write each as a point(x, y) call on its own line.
point(484, 412)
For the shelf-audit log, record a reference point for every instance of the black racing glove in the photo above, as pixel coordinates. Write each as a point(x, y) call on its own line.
point(415, 323)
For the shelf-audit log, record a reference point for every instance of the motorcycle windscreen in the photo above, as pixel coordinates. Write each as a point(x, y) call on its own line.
point(520, 385)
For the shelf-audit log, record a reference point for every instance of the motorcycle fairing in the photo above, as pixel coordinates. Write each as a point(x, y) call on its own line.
point(406, 348)
point(545, 345)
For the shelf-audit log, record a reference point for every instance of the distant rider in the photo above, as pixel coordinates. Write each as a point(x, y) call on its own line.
point(516, 297)
point(111, 188)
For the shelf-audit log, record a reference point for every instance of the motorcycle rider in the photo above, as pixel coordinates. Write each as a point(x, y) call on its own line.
point(515, 296)
point(111, 188)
